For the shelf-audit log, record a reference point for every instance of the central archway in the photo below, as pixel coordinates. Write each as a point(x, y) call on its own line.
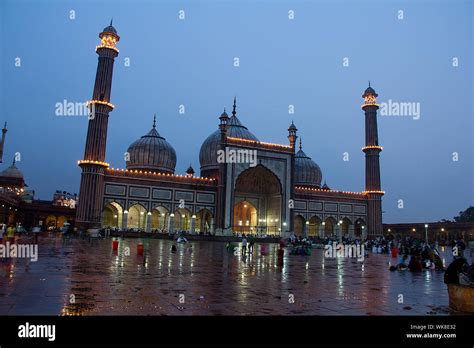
point(257, 202)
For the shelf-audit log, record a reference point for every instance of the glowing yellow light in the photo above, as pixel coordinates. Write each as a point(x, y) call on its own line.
point(101, 102)
point(374, 191)
point(104, 164)
point(372, 147)
point(256, 142)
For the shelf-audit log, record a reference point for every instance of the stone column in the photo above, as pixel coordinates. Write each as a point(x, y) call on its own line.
point(193, 223)
point(321, 230)
point(124, 219)
point(148, 222)
point(351, 231)
point(170, 223)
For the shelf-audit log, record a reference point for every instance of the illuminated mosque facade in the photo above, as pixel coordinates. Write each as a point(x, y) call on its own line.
point(279, 193)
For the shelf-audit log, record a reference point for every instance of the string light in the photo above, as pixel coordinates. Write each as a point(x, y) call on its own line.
point(258, 143)
point(101, 102)
point(115, 171)
point(374, 191)
point(301, 188)
point(372, 147)
point(104, 164)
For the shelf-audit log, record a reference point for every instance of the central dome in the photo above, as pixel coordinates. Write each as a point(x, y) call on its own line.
point(307, 172)
point(152, 153)
point(208, 152)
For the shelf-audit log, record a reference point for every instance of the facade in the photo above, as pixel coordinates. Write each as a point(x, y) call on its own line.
point(245, 185)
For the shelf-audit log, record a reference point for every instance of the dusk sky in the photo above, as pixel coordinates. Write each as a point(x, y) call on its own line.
point(423, 58)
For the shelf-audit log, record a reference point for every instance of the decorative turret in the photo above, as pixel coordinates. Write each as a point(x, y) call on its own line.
point(2, 143)
point(190, 171)
point(292, 134)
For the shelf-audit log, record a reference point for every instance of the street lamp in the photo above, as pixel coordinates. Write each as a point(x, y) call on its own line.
point(426, 233)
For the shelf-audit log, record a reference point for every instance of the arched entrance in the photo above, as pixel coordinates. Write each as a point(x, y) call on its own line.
point(329, 224)
point(203, 221)
point(136, 216)
point(112, 215)
point(260, 186)
point(313, 226)
point(346, 228)
point(299, 225)
point(159, 216)
point(245, 214)
point(182, 220)
point(358, 228)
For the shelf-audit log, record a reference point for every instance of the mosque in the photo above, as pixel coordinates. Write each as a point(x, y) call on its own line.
point(278, 193)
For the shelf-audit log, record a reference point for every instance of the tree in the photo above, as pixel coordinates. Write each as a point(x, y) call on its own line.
point(465, 216)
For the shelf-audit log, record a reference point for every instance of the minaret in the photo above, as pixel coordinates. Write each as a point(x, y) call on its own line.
point(2, 143)
point(93, 165)
point(221, 180)
point(372, 166)
point(292, 138)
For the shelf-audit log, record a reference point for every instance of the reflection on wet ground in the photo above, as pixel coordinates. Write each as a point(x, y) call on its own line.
point(76, 277)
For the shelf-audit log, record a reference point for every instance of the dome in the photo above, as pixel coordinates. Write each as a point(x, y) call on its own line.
point(152, 153)
point(208, 152)
point(307, 172)
point(12, 172)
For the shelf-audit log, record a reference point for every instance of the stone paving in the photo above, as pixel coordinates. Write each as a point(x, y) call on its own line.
point(76, 277)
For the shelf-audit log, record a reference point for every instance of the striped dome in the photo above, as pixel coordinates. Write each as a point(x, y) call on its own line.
point(307, 172)
point(152, 153)
point(208, 152)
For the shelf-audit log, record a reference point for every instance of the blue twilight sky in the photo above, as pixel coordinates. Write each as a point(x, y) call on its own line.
point(282, 62)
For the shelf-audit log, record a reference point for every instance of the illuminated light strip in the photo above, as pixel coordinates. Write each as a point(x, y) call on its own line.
point(374, 191)
point(372, 147)
point(362, 106)
point(107, 46)
point(104, 164)
point(323, 190)
point(256, 142)
point(181, 177)
point(110, 105)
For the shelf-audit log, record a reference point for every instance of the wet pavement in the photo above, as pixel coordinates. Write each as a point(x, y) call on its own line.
point(77, 277)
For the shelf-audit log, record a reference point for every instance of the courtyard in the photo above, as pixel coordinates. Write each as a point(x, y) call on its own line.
point(79, 277)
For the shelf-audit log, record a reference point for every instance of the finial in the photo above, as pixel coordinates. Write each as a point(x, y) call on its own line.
point(154, 121)
point(369, 83)
point(234, 107)
point(111, 20)
point(5, 126)
point(13, 164)
point(301, 146)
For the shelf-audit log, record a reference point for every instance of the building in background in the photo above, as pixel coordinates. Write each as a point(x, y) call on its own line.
point(246, 185)
point(18, 206)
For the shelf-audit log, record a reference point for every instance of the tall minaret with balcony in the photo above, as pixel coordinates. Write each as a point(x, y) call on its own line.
point(93, 165)
point(372, 164)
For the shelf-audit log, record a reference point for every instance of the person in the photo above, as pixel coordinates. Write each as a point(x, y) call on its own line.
point(173, 248)
point(11, 233)
point(451, 275)
point(2, 232)
point(244, 244)
point(251, 243)
point(414, 265)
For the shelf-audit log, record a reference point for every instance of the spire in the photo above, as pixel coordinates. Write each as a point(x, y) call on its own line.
point(5, 126)
point(234, 107)
point(111, 20)
point(369, 83)
point(154, 121)
point(301, 146)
